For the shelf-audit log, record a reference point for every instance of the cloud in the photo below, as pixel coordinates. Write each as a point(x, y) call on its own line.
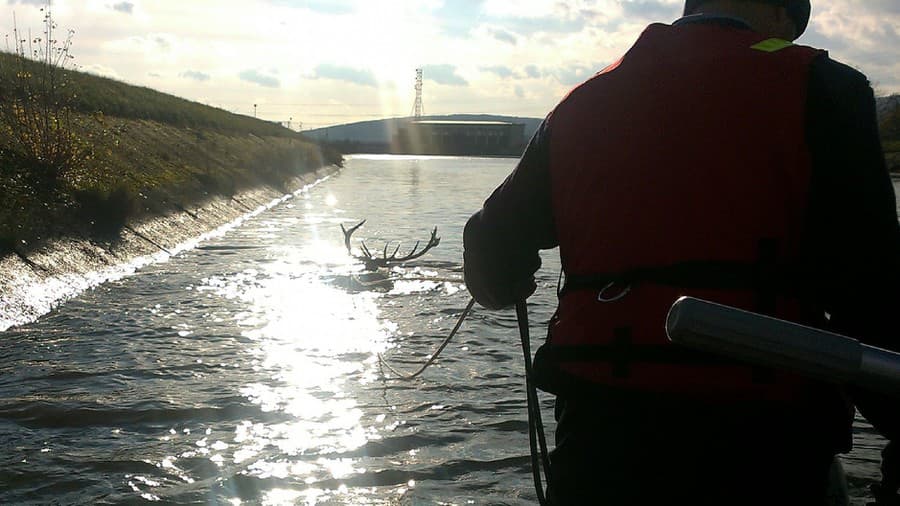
point(196, 76)
point(528, 17)
point(126, 7)
point(531, 26)
point(363, 77)
point(508, 22)
point(164, 43)
point(574, 74)
point(455, 17)
point(338, 7)
point(100, 70)
point(159, 42)
point(883, 6)
point(253, 76)
point(594, 16)
point(523, 8)
point(500, 70)
point(476, 42)
point(503, 36)
point(651, 10)
point(443, 74)
point(863, 35)
point(860, 28)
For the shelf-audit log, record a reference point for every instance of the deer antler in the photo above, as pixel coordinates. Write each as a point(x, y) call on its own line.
point(433, 241)
point(348, 233)
point(372, 263)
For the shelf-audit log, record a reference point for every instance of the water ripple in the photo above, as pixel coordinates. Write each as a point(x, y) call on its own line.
point(246, 371)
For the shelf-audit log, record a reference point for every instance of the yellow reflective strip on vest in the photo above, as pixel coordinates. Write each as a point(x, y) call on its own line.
point(772, 45)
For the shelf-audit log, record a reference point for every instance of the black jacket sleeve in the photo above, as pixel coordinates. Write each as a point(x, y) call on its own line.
point(501, 241)
point(853, 246)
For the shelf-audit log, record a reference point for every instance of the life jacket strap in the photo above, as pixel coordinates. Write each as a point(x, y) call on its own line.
point(621, 353)
point(711, 275)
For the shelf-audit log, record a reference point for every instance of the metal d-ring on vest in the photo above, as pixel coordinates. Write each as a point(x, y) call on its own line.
point(601, 297)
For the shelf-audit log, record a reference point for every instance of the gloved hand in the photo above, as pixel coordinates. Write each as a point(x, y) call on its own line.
point(886, 492)
point(507, 294)
point(522, 289)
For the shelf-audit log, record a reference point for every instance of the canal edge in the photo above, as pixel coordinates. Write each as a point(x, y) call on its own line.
point(69, 265)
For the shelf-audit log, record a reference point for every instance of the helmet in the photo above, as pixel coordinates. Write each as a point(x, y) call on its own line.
point(798, 10)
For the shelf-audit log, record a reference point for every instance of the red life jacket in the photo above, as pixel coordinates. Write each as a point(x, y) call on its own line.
point(682, 169)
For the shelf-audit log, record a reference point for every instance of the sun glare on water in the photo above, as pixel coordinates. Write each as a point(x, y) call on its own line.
point(314, 345)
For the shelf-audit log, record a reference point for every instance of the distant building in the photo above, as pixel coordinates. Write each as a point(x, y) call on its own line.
point(441, 137)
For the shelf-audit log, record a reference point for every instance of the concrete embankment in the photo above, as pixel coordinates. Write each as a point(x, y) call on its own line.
point(34, 282)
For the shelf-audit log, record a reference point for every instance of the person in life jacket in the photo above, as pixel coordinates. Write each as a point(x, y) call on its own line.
point(720, 160)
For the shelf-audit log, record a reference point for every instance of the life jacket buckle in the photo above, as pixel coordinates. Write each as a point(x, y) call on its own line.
point(602, 297)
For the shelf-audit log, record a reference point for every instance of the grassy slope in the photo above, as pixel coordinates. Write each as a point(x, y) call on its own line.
point(151, 153)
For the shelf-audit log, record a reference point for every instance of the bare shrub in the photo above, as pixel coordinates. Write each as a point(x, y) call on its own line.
point(36, 103)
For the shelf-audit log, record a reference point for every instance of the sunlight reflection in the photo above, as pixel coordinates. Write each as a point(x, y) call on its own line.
point(312, 339)
point(281, 496)
point(315, 345)
point(339, 468)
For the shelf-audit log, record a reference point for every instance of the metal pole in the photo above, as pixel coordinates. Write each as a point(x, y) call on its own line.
point(771, 342)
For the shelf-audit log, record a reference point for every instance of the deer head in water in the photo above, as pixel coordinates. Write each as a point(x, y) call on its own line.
point(373, 263)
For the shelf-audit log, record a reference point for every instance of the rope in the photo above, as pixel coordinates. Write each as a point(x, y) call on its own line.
point(234, 470)
point(434, 356)
point(391, 279)
point(536, 438)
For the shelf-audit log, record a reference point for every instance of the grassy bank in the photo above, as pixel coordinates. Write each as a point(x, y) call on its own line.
point(139, 153)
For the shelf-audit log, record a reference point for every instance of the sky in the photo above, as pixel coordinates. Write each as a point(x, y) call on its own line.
point(316, 63)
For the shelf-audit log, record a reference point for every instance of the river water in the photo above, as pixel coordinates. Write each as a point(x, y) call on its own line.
point(246, 371)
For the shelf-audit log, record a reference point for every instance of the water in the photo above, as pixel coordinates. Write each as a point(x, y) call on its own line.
point(245, 371)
